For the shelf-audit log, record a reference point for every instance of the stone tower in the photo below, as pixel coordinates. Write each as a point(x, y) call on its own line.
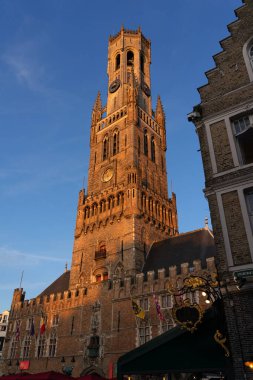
point(126, 207)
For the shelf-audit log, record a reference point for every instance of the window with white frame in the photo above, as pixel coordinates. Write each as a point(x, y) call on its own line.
point(52, 345)
point(249, 201)
point(26, 347)
point(55, 320)
point(28, 324)
point(243, 132)
point(144, 332)
point(41, 346)
point(166, 325)
point(13, 353)
point(166, 301)
point(144, 304)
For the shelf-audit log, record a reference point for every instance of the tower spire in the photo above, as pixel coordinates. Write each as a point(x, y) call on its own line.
point(159, 112)
point(97, 109)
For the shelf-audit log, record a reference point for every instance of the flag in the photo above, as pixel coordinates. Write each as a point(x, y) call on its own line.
point(17, 334)
point(138, 311)
point(42, 325)
point(32, 329)
point(158, 309)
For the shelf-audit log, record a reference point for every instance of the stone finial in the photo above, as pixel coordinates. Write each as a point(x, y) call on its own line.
point(206, 223)
point(66, 267)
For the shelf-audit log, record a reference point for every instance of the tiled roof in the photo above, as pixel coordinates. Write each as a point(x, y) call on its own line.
point(59, 285)
point(182, 248)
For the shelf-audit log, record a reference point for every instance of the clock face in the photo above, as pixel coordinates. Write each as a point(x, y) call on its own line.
point(146, 89)
point(114, 85)
point(107, 175)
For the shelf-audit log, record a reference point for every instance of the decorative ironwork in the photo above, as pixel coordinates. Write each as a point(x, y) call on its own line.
point(221, 340)
point(186, 312)
point(187, 315)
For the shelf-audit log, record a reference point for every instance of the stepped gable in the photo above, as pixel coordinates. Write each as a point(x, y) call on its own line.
point(184, 248)
point(59, 285)
point(230, 70)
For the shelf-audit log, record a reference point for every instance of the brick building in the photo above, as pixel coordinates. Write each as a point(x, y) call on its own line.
point(224, 124)
point(126, 241)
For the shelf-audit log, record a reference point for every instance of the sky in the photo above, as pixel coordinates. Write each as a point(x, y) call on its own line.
point(53, 60)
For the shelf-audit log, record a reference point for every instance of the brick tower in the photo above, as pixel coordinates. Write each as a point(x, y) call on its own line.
point(126, 207)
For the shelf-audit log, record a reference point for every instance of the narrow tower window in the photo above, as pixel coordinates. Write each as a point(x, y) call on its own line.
point(153, 149)
point(115, 148)
point(142, 63)
point(145, 142)
point(139, 146)
point(105, 148)
point(117, 62)
point(130, 58)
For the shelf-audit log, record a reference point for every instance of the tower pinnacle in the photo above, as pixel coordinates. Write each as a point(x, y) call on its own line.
point(159, 112)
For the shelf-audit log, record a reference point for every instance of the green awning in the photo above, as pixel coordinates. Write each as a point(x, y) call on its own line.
point(178, 350)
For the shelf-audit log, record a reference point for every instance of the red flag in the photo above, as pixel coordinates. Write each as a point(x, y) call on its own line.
point(158, 309)
point(42, 325)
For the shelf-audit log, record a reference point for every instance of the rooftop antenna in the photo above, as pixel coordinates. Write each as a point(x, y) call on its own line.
point(66, 266)
point(21, 279)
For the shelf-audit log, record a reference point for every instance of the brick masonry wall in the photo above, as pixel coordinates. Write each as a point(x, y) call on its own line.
point(236, 230)
point(115, 322)
point(222, 150)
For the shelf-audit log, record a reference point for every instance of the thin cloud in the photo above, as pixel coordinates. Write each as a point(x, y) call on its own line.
point(9, 256)
point(23, 65)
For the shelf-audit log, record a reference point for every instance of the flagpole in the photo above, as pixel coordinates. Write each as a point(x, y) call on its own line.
point(21, 279)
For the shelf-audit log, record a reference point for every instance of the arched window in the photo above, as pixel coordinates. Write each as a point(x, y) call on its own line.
point(248, 57)
point(115, 148)
point(130, 58)
point(250, 54)
point(117, 62)
point(105, 148)
point(146, 142)
point(153, 149)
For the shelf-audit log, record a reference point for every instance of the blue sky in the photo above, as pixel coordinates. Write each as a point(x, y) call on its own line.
point(53, 57)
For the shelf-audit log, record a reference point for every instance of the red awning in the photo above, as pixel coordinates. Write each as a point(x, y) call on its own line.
point(36, 376)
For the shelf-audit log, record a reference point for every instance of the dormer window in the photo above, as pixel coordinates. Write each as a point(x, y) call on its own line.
point(130, 58)
point(243, 132)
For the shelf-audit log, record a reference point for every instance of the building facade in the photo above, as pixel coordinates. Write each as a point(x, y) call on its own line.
point(84, 321)
point(4, 316)
point(224, 124)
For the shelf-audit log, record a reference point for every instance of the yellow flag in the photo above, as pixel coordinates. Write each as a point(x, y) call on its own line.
point(138, 311)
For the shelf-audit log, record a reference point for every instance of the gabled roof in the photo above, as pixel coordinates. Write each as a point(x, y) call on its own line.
point(59, 285)
point(183, 248)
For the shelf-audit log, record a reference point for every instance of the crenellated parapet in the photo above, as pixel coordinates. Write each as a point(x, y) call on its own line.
point(158, 282)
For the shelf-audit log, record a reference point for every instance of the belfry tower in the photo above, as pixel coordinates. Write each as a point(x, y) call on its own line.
point(126, 207)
